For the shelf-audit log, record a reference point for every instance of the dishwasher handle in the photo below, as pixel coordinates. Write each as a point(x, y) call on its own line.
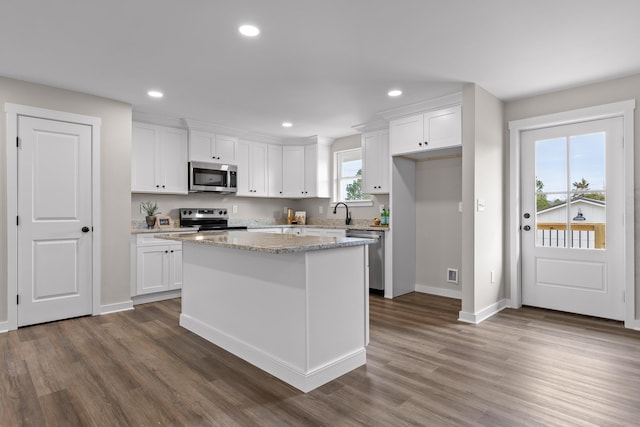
point(364, 236)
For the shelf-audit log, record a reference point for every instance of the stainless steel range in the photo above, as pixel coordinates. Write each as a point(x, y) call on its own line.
point(207, 219)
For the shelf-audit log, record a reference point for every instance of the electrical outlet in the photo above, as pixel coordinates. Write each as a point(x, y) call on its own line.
point(284, 210)
point(235, 209)
point(320, 209)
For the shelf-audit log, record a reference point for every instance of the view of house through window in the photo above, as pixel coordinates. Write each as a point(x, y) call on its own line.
point(348, 176)
point(571, 191)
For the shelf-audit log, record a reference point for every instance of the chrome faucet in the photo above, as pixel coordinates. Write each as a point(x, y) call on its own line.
point(347, 218)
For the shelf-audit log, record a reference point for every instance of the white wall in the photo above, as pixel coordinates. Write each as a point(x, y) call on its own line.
point(115, 152)
point(483, 153)
point(581, 97)
point(438, 222)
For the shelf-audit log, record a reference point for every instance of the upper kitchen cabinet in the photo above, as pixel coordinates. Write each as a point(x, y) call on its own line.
point(252, 169)
point(305, 170)
point(158, 159)
point(375, 153)
point(274, 170)
point(212, 147)
point(432, 130)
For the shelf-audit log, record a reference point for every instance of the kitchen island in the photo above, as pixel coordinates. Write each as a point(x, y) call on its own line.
point(295, 306)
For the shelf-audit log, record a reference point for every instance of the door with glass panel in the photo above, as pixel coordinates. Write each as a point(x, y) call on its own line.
point(572, 224)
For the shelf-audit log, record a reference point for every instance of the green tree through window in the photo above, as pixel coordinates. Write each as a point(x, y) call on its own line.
point(354, 190)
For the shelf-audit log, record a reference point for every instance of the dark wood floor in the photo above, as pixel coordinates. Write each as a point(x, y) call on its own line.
point(527, 367)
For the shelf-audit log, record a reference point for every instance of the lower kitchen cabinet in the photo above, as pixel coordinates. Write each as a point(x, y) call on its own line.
point(156, 265)
point(158, 269)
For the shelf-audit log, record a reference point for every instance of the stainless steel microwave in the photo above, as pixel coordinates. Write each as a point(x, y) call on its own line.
point(212, 177)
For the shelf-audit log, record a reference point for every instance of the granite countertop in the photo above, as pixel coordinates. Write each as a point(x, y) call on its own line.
point(335, 227)
point(265, 242)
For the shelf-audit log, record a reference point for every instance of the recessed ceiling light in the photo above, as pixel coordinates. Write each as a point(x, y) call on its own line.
point(287, 124)
point(394, 93)
point(155, 94)
point(249, 30)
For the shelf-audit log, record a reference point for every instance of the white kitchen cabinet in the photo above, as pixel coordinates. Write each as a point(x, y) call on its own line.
point(432, 130)
point(158, 159)
point(212, 147)
point(274, 170)
point(156, 264)
point(293, 171)
point(305, 171)
point(376, 160)
point(252, 169)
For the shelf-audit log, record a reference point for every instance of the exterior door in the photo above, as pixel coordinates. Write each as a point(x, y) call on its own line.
point(573, 218)
point(54, 220)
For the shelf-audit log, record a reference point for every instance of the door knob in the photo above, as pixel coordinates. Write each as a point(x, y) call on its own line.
point(527, 215)
point(85, 229)
point(527, 228)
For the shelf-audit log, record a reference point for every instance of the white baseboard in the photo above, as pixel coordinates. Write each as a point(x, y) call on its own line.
point(442, 292)
point(631, 324)
point(4, 327)
point(114, 308)
point(158, 296)
point(304, 381)
point(484, 313)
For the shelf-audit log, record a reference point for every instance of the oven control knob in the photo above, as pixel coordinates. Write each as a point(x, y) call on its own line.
point(223, 212)
point(190, 212)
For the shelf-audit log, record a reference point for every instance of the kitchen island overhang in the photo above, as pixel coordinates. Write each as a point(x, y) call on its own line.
point(297, 307)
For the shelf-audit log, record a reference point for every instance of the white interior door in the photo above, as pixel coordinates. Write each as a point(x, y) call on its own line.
point(573, 218)
point(54, 228)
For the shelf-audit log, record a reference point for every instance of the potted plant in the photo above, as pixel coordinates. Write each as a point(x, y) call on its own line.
point(151, 209)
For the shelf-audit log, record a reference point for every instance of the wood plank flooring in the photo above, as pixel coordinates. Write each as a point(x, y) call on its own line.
point(527, 367)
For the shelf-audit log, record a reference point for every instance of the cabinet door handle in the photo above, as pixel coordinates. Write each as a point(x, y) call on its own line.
point(157, 186)
point(420, 144)
point(166, 252)
point(171, 251)
point(426, 143)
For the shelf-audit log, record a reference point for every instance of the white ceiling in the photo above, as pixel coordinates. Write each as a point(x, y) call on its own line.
point(325, 65)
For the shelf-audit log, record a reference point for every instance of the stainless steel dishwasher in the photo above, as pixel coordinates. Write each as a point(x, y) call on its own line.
point(376, 258)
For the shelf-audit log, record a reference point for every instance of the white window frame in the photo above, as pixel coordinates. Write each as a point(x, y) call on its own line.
point(337, 177)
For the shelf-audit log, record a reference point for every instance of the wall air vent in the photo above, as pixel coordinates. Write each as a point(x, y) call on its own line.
point(452, 275)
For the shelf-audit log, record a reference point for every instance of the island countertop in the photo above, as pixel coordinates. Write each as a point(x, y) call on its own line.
point(266, 242)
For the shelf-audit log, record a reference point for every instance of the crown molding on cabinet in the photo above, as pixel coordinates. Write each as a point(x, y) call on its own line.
point(374, 125)
point(315, 139)
point(156, 119)
point(419, 107)
point(214, 128)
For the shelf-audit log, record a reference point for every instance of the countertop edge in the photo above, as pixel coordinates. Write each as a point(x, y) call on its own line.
point(321, 243)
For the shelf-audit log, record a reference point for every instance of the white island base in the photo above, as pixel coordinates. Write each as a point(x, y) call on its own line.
point(302, 316)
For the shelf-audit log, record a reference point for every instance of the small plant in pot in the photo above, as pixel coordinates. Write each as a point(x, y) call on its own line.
point(151, 209)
